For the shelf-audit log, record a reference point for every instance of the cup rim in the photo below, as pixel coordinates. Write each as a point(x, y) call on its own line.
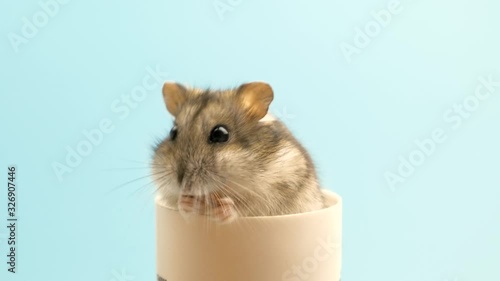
point(333, 197)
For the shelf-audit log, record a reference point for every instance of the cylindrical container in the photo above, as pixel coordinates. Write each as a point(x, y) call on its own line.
point(294, 247)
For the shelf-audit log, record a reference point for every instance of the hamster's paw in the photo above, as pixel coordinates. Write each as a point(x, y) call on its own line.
point(225, 211)
point(191, 205)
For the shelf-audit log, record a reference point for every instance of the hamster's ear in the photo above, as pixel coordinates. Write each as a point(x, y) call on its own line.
point(174, 95)
point(255, 98)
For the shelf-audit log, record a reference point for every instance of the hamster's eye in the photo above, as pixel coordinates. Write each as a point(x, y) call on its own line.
point(219, 134)
point(173, 133)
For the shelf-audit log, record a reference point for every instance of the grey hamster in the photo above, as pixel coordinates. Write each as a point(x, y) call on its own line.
point(226, 156)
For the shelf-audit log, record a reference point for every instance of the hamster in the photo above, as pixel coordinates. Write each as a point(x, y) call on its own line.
point(227, 157)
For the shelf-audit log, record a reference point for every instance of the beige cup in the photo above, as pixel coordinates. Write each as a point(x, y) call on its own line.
point(296, 247)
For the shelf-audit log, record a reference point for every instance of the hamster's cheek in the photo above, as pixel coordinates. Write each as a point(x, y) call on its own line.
point(235, 161)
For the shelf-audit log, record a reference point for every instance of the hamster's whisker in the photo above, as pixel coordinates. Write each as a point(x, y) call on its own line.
point(224, 188)
point(241, 199)
point(198, 204)
point(161, 186)
point(150, 163)
point(137, 179)
point(210, 209)
point(154, 191)
point(147, 184)
point(206, 212)
point(262, 196)
point(122, 168)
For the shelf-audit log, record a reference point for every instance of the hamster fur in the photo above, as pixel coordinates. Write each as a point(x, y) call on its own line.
point(227, 157)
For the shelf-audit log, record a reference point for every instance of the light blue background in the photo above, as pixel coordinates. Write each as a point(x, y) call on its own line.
point(355, 118)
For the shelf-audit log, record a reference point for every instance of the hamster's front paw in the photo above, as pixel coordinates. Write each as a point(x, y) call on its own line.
point(224, 211)
point(191, 205)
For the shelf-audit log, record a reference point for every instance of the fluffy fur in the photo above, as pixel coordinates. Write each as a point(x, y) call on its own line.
point(262, 170)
